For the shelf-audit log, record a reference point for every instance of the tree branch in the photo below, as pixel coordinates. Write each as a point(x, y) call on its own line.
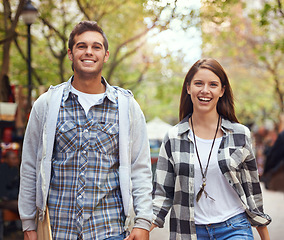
point(26, 60)
point(280, 7)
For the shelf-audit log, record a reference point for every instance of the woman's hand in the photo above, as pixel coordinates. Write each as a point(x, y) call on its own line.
point(153, 226)
point(138, 234)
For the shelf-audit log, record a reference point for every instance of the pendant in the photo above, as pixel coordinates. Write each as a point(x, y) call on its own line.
point(198, 196)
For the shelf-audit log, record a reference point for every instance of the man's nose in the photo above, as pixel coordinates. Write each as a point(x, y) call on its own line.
point(89, 50)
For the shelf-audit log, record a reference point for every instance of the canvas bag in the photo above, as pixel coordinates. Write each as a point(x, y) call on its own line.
point(43, 228)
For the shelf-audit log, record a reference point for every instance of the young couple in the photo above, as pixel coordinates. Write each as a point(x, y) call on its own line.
point(86, 157)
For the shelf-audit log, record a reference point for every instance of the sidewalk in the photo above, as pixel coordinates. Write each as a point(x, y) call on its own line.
point(273, 206)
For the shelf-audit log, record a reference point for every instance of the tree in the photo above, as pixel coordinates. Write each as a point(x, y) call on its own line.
point(8, 35)
point(233, 33)
point(128, 25)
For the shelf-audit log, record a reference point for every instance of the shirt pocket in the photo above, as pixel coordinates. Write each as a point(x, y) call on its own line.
point(105, 138)
point(66, 137)
point(236, 157)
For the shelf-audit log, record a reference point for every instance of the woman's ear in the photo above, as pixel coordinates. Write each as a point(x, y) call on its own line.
point(188, 89)
point(223, 91)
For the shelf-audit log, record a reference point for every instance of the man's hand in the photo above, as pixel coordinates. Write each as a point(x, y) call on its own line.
point(153, 226)
point(30, 235)
point(138, 234)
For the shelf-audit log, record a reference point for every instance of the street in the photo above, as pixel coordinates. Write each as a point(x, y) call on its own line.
point(273, 206)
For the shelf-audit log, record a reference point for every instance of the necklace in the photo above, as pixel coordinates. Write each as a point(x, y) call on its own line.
point(198, 196)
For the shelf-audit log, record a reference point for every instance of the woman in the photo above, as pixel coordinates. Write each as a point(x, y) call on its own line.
point(206, 172)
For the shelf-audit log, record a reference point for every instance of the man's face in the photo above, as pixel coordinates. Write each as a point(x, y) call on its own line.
point(88, 54)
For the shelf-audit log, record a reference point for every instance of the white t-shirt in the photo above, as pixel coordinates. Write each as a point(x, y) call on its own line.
point(227, 203)
point(87, 100)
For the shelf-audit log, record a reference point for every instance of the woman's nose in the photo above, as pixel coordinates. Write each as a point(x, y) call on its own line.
point(205, 88)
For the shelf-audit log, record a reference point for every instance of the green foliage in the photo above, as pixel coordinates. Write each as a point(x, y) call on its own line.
point(155, 81)
point(248, 40)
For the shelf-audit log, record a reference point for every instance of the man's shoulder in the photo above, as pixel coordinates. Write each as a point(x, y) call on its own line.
point(52, 91)
point(125, 92)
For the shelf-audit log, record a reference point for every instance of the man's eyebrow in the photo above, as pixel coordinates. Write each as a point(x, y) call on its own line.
point(78, 43)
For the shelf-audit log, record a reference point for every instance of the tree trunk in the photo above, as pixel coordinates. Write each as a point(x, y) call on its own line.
point(10, 34)
point(4, 79)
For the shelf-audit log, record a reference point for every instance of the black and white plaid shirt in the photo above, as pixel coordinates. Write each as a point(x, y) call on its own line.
point(174, 180)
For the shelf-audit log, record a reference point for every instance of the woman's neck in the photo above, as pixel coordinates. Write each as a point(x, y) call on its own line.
point(205, 125)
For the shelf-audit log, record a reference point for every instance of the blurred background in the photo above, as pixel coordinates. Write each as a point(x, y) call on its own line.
point(153, 43)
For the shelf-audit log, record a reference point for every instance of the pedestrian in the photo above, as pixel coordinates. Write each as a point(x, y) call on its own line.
point(9, 181)
point(273, 175)
point(206, 172)
point(86, 153)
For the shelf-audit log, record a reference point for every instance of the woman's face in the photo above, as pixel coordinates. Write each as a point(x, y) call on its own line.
point(205, 90)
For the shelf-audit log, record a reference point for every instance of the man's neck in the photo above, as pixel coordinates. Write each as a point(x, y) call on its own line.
point(88, 85)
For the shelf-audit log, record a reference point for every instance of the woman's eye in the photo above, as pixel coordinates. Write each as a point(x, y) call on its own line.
point(214, 84)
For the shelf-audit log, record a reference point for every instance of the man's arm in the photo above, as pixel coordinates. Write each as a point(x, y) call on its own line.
point(28, 172)
point(30, 235)
point(141, 174)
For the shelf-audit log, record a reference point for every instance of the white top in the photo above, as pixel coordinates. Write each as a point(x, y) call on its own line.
point(227, 203)
point(87, 100)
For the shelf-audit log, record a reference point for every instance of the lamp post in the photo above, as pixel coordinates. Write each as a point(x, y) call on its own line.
point(29, 14)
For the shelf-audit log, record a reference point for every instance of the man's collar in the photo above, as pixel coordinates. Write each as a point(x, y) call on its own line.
point(109, 93)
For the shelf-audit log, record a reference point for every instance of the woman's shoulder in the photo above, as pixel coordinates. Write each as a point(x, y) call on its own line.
point(235, 127)
point(177, 130)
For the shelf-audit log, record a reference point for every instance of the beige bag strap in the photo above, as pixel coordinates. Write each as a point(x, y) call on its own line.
point(43, 228)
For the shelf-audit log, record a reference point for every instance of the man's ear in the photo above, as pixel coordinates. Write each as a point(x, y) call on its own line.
point(70, 55)
point(106, 56)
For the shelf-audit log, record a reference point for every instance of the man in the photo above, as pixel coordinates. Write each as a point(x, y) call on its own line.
point(86, 153)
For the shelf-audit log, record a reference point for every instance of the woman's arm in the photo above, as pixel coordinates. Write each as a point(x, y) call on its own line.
point(263, 232)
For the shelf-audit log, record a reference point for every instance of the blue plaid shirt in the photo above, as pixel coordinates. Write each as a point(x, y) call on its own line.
point(84, 199)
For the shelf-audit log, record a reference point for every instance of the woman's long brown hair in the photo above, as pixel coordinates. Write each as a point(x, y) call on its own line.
point(225, 105)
